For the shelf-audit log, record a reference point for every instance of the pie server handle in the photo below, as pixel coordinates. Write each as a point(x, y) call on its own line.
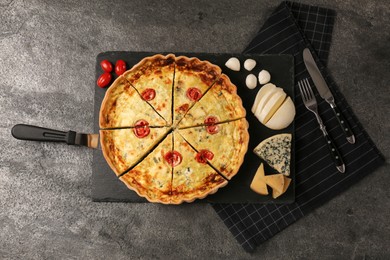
point(36, 133)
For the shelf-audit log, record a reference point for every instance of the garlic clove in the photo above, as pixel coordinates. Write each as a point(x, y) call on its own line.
point(264, 77)
point(251, 81)
point(233, 64)
point(249, 64)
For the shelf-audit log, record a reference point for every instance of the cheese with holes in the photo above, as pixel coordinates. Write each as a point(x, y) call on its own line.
point(276, 151)
point(258, 184)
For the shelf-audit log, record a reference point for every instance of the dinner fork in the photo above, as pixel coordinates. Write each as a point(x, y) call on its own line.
point(310, 102)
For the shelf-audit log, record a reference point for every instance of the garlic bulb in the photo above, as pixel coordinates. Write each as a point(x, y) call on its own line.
point(233, 64)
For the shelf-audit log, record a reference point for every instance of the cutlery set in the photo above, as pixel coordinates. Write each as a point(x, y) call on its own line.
point(310, 103)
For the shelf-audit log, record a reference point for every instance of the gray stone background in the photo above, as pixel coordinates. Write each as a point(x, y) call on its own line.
point(47, 54)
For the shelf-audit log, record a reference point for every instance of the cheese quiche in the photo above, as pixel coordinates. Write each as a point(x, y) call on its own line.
point(152, 178)
point(226, 105)
point(122, 106)
point(173, 129)
point(192, 177)
point(225, 144)
point(122, 148)
point(192, 79)
point(153, 79)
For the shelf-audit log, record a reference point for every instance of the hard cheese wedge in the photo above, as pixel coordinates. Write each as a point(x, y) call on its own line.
point(122, 148)
point(258, 184)
point(190, 177)
point(279, 184)
point(152, 177)
point(155, 82)
point(276, 151)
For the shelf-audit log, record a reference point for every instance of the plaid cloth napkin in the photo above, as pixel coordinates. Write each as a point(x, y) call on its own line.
point(291, 28)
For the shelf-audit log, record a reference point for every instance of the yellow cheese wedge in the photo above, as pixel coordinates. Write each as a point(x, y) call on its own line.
point(265, 90)
point(275, 181)
point(276, 193)
point(258, 184)
point(271, 106)
point(283, 116)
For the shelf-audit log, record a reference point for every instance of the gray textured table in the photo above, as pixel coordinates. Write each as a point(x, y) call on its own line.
point(47, 53)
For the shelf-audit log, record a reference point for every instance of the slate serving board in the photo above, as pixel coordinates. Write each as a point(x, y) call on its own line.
point(106, 187)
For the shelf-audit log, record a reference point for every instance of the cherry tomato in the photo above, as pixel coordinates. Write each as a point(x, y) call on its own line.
point(183, 108)
point(194, 94)
point(148, 94)
point(174, 158)
point(141, 128)
point(211, 126)
point(204, 155)
point(106, 65)
point(211, 120)
point(104, 79)
point(120, 67)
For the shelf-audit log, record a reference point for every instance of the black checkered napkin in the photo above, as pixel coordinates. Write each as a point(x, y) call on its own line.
point(291, 28)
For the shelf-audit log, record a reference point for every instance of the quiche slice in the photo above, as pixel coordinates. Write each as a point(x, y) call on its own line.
point(122, 106)
point(192, 79)
point(276, 151)
point(153, 79)
point(123, 148)
point(152, 177)
point(192, 177)
point(221, 102)
point(222, 145)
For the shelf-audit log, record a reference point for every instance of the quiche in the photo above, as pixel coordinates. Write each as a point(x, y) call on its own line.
point(122, 106)
point(227, 144)
point(225, 106)
point(153, 79)
point(173, 129)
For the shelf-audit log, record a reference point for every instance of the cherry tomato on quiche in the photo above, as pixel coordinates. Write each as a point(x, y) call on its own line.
point(204, 155)
point(148, 94)
point(141, 128)
point(194, 94)
point(104, 79)
point(120, 67)
point(211, 126)
point(174, 158)
point(106, 65)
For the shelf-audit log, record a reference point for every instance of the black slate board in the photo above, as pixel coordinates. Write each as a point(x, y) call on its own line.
point(107, 187)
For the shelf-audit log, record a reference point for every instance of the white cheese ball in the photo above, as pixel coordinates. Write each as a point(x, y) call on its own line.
point(251, 81)
point(249, 64)
point(264, 77)
point(233, 64)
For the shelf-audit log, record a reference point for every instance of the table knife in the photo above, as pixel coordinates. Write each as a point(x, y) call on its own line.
point(325, 93)
point(36, 133)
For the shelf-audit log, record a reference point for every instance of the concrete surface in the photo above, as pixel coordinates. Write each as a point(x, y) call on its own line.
point(47, 54)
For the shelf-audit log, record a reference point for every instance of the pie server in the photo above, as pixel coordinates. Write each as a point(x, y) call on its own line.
point(36, 133)
point(325, 93)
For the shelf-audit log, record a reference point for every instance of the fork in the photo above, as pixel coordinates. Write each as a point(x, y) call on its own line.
point(310, 102)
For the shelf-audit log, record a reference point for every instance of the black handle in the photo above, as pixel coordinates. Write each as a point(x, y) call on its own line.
point(334, 153)
point(36, 133)
point(344, 124)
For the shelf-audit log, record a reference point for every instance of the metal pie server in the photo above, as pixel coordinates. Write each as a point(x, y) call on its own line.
point(325, 93)
point(36, 133)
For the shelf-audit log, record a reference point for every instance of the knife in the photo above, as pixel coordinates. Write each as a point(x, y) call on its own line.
point(36, 133)
point(325, 93)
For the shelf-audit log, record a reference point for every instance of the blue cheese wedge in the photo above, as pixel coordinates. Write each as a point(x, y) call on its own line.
point(276, 151)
